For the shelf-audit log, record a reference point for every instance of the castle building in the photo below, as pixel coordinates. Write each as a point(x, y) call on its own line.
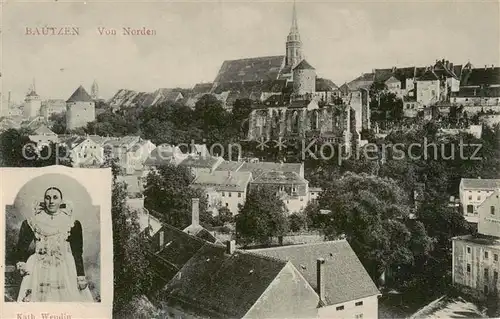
point(80, 109)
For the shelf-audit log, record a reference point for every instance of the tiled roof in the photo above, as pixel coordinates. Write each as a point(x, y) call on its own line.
point(479, 183)
point(480, 239)
point(201, 161)
point(303, 65)
point(259, 168)
point(178, 246)
point(223, 180)
point(80, 95)
point(482, 76)
point(392, 79)
point(345, 277)
point(279, 178)
point(43, 130)
point(364, 81)
point(229, 166)
point(42, 138)
point(429, 75)
point(323, 85)
point(72, 140)
point(251, 69)
point(162, 154)
point(213, 284)
point(202, 88)
point(201, 232)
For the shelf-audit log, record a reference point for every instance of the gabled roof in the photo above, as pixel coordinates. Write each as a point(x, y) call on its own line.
point(201, 232)
point(163, 154)
point(201, 161)
point(323, 85)
point(482, 76)
point(229, 166)
point(259, 168)
point(250, 69)
point(202, 88)
point(364, 81)
point(279, 178)
point(392, 79)
point(303, 65)
point(43, 130)
point(80, 95)
point(429, 75)
point(479, 183)
point(213, 284)
point(345, 277)
point(224, 180)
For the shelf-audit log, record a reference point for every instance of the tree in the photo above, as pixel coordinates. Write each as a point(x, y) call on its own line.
point(297, 222)
point(262, 217)
point(225, 216)
point(132, 273)
point(58, 121)
point(371, 212)
point(168, 192)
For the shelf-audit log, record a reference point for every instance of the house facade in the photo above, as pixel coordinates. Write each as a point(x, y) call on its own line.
point(332, 268)
point(231, 187)
point(83, 151)
point(476, 262)
point(473, 191)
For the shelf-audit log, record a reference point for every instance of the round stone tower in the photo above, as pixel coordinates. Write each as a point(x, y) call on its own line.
point(80, 109)
point(304, 79)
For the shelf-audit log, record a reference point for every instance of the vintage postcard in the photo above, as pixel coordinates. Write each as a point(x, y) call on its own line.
point(250, 159)
point(57, 249)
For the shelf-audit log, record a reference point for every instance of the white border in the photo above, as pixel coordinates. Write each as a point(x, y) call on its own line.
point(98, 183)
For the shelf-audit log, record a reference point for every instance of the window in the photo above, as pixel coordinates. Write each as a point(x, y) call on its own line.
point(485, 255)
point(227, 204)
point(223, 194)
point(486, 273)
point(359, 316)
point(492, 210)
point(495, 257)
point(495, 275)
point(229, 194)
point(340, 308)
point(239, 194)
point(470, 197)
point(468, 267)
point(485, 289)
point(468, 250)
point(359, 303)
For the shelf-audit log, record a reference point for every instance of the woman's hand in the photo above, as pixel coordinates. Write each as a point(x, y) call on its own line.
point(82, 282)
point(21, 266)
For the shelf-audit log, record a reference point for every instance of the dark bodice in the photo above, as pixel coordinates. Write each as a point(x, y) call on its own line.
point(75, 239)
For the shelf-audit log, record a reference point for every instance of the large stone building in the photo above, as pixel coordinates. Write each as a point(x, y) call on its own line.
point(298, 104)
point(80, 109)
point(475, 257)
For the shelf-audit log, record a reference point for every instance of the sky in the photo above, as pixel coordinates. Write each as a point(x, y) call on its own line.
point(341, 39)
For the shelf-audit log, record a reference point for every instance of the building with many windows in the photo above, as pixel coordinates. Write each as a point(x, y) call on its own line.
point(473, 191)
point(476, 261)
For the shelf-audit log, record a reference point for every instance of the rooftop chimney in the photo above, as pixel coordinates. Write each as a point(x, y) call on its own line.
point(230, 247)
point(195, 212)
point(320, 278)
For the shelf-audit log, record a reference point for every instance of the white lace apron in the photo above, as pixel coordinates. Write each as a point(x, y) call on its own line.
point(51, 269)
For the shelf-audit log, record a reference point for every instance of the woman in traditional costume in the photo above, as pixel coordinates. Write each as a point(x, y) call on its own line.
point(54, 272)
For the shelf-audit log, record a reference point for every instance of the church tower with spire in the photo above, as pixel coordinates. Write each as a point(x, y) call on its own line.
point(293, 43)
point(94, 91)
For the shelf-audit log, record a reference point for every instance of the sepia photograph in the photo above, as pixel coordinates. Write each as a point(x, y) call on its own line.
point(47, 247)
point(54, 221)
point(250, 159)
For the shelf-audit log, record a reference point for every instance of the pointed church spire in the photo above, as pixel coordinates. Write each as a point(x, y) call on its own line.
point(295, 26)
point(293, 44)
